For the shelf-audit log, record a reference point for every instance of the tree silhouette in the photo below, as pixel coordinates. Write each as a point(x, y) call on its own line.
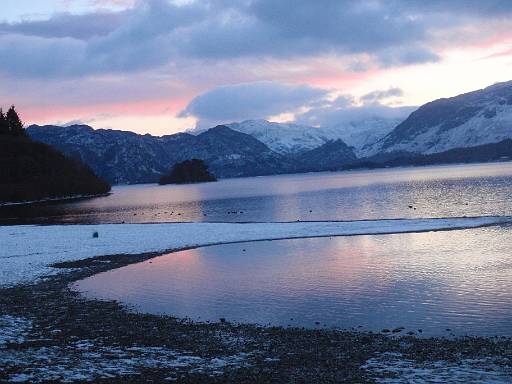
point(188, 171)
point(35, 171)
point(4, 126)
point(14, 123)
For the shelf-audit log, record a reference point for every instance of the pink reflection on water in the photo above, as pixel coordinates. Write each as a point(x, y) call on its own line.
point(460, 280)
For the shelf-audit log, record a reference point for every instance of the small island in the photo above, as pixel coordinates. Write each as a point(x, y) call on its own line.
point(188, 171)
point(32, 171)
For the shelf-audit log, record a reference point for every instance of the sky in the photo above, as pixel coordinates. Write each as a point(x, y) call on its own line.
point(164, 66)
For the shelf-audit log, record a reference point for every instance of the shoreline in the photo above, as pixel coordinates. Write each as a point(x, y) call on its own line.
point(89, 339)
point(27, 250)
point(53, 199)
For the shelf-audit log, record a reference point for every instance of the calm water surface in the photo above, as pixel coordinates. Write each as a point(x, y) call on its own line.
point(473, 190)
point(458, 280)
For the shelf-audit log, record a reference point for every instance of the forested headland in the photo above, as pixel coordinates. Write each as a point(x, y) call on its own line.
point(34, 171)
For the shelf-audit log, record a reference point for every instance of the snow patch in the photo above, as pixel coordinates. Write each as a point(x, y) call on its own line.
point(13, 330)
point(85, 360)
point(393, 368)
point(27, 250)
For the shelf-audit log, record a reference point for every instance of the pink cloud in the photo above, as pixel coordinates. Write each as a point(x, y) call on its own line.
point(117, 3)
point(44, 113)
point(498, 39)
point(341, 79)
point(505, 53)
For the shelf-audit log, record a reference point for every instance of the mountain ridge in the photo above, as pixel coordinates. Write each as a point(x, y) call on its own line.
point(126, 157)
point(474, 118)
point(469, 120)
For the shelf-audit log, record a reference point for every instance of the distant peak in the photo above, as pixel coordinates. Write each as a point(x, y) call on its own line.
point(78, 126)
point(252, 121)
point(221, 127)
point(218, 129)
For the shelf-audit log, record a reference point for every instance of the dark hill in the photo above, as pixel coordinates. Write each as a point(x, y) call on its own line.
point(34, 171)
point(125, 157)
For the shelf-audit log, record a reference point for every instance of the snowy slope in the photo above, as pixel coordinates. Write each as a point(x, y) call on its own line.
point(362, 134)
point(477, 131)
point(27, 251)
point(467, 120)
point(286, 138)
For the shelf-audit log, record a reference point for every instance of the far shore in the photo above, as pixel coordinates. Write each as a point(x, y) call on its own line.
point(53, 199)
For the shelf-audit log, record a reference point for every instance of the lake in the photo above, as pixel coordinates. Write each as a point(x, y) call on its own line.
point(437, 191)
point(459, 281)
point(444, 283)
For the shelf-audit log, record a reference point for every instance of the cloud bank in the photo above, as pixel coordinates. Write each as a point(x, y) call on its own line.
point(307, 105)
point(153, 33)
point(226, 60)
point(250, 101)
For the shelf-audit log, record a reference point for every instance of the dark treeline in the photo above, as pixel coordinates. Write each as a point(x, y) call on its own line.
point(35, 171)
point(10, 123)
point(188, 171)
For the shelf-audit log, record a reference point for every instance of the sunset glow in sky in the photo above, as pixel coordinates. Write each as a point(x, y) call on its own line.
point(162, 66)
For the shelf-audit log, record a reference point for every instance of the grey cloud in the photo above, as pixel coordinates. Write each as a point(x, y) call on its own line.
point(499, 8)
point(347, 25)
point(263, 99)
point(38, 57)
point(347, 108)
point(330, 115)
point(250, 101)
point(394, 56)
point(150, 37)
point(378, 95)
point(63, 25)
point(157, 32)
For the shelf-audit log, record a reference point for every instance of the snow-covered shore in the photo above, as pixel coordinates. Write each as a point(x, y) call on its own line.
point(27, 251)
point(89, 340)
point(53, 199)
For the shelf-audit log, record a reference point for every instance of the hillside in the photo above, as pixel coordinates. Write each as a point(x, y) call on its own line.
point(126, 157)
point(467, 120)
point(501, 151)
point(35, 171)
point(116, 156)
point(329, 156)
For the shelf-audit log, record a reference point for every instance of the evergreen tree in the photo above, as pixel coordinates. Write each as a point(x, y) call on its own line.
point(4, 126)
point(14, 123)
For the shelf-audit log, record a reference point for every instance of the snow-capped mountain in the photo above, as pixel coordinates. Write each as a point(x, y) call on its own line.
point(365, 132)
point(126, 157)
point(468, 120)
point(285, 138)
